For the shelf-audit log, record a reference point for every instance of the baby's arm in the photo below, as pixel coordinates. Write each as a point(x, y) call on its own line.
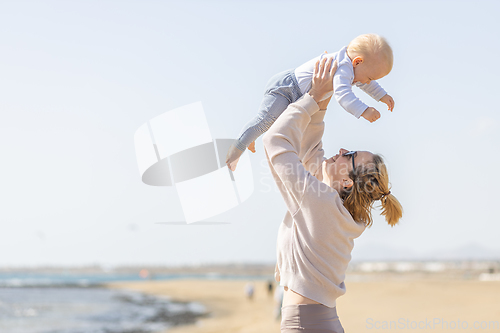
point(374, 90)
point(343, 92)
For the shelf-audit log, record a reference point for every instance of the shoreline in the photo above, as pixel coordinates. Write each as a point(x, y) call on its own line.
point(376, 303)
point(228, 309)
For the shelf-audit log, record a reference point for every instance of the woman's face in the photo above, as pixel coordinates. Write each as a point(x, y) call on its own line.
point(336, 169)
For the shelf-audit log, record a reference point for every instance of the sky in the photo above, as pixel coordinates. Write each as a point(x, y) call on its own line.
point(78, 78)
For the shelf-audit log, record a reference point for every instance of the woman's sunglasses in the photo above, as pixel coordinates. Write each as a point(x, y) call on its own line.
point(351, 154)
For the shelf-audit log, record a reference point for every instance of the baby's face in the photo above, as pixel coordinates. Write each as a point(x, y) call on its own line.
point(366, 71)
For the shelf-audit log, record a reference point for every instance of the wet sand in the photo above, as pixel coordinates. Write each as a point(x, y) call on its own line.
point(380, 306)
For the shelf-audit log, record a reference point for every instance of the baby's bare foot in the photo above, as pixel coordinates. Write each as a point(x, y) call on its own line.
point(232, 165)
point(251, 147)
point(232, 157)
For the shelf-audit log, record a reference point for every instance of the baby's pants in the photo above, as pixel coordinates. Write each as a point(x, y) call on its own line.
point(310, 318)
point(281, 90)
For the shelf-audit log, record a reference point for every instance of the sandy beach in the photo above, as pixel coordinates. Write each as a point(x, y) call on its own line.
point(383, 305)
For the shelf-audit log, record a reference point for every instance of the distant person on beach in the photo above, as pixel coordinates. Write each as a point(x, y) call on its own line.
point(329, 202)
point(366, 59)
point(270, 287)
point(249, 290)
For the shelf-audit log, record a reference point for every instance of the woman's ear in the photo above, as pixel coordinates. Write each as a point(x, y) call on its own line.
point(347, 183)
point(357, 61)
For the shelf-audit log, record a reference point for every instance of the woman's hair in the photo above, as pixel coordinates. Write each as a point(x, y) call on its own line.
point(371, 183)
point(372, 44)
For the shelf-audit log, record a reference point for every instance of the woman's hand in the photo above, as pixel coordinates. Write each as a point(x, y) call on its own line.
point(322, 81)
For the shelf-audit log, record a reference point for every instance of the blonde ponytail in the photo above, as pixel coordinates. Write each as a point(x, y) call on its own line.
point(391, 209)
point(371, 183)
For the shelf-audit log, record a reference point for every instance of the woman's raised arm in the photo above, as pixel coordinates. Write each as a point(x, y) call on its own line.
point(311, 150)
point(282, 142)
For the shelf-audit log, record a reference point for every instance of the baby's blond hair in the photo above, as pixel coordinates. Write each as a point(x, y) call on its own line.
point(372, 45)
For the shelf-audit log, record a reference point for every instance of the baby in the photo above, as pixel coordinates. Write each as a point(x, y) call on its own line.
point(367, 58)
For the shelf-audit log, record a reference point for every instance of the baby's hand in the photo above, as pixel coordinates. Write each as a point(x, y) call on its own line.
point(371, 114)
point(389, 101)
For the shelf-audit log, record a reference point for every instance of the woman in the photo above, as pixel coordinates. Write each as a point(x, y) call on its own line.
point(329, 204)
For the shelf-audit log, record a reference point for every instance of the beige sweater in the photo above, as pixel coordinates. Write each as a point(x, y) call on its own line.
point(317, 235)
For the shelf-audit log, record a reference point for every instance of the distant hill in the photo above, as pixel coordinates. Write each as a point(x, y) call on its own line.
point(383, 252)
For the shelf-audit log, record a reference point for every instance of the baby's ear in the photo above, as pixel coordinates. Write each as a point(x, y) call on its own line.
point(357, 61)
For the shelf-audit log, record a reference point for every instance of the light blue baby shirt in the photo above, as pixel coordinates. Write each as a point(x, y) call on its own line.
point(342, 82)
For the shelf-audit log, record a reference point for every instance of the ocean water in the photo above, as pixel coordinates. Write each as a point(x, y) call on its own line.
point(70, 279)
point(70, 303)
point(89, 309)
